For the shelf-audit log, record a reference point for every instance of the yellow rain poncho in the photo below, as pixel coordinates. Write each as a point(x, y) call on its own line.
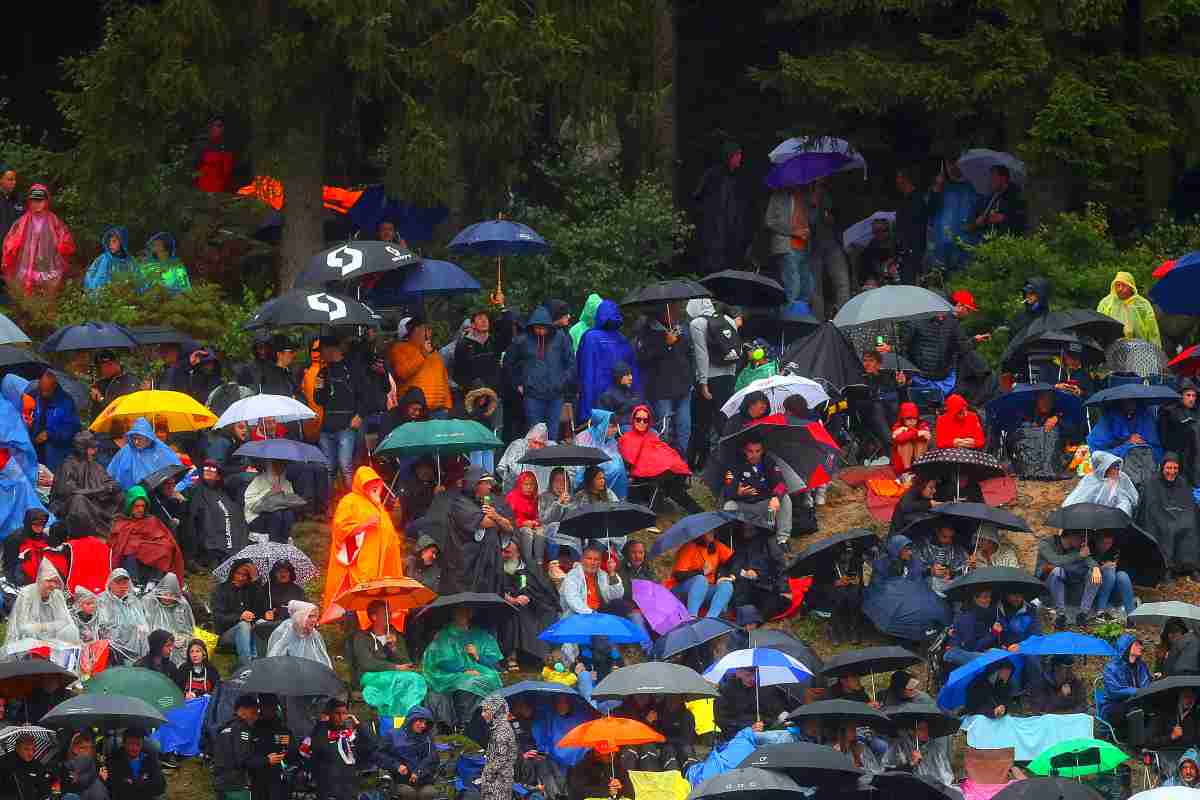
point(1136, 313)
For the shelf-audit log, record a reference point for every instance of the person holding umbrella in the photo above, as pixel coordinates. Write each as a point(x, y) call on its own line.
point(379, 659)
point(135, 771)
point(1178, 726)
point(975, 630)
point(111, 383)
point(21, 774)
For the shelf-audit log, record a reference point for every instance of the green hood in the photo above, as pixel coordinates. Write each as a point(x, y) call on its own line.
point(134, 493)
point(587, 318)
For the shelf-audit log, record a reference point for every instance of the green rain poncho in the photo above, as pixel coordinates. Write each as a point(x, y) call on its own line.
point(446, 661)
point(587, 318)
point(394, 693)
point(1136, 313)
point(170, 271)
point(751, 374)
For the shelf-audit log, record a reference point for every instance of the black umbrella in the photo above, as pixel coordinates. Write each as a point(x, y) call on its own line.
point(741, 288)
point(1140, 392)
point(663, 292)
point(894, 362)
point(1047, 789)
point(654, 678)
point(810, 764)
point(816, 556)
point(565, 455)
point(353, 260)
point(940, 723)
point(529, 692)
point(148, 335)
point(1001, 580)
point(1047, 344)
point(869, 661)
point(825, 356)
point(925, 524)
point(89, 336)
point(1165, 690)
point(1080, 321)
point(19, 361)
point(842, 711)
point(155, 479)
point(794, 325)
point(749, 784)
point(689, 634)
point(982, 512)
point(1088, 517)
point(786, 643)
point(289, 676)
point(604, 520)
point(487, 607)
point(953, 463)
point(906, 785)
point(1141, 554)
point(312, 307)
point(104, 711)
point(808, 449)
point(20, 678)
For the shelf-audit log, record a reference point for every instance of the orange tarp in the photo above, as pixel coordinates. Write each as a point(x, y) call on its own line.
point(270, 191)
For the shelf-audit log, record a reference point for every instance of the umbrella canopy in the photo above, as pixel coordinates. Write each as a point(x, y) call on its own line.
point(891, 303)
point(150, 335)
point(860, 233)
point(742, 288)
point(564, 455)
point(1168, 793)
point(582, 628)
point(750, 783)
point(784, 642)
point(43, 738)
point(266, 555)
point(1065, 643)
point(663, 292)
point(869, 661)
point(906, 785)
point(824, 355)
point(689, 634)
point(1141, 554)
point(428, 279)
point(802, 145)
point(1088, 516)
point(104, 711)
point(499, 237)
point(282, 450)
point(441, 436)
point(807, 449)
point(772, 667)
point(1047, 789)
point(89, 336)
point(493, 606)
point(1164, 691)
point(147, 685)
point(810, 764)
point(398, 593)
point(778, 388)
point(950, 463)
point(1150, 394)
point(180, 412)
point(1161, 613)
point(1050, 343)
point(604, 520)
point(1080, 321)
point(655, 678)
point(312, 307)
point(609, 733)
point(10, 333)
point(842, 711)
point(691, 527)
point(289, 676)
point(353, 260)
point(659, 606)
point(529, 692)
point(909, 714)
point(1175, 291)
point(20, 678)
point(263, 406)
point(797, 324)
point(19, 361)
point(976, 165)
point(1185, 365)
point(816, 556)
point(982, 512)
point(954, 694)
point(1009, 409)
point(1001, 580)
point(170, 472)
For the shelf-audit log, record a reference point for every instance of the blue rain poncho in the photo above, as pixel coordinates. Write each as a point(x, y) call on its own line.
point(18, 477)
point(596, 435)
point(132, 463)
point(109, 265)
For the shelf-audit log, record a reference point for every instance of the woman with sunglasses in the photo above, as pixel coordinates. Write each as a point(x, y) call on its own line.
point(650, 458)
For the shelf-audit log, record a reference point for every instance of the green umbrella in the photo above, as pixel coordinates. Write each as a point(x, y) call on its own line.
point(147, 685)
point(1077, 757)
point(451, 437)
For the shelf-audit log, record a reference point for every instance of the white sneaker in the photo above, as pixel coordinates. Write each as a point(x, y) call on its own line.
point(882, 461)
point(819, 495)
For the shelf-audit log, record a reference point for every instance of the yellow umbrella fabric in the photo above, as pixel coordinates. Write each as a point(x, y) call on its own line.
point(179, 410)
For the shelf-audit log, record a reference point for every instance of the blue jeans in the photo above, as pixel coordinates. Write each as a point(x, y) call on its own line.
point(679, 429)
point(696, 591)
point(1109, 579)
point(795, 275)
point(958, 656)
point(241, 636)
point(547, 411)
point(1057, 583)
point(338, 447)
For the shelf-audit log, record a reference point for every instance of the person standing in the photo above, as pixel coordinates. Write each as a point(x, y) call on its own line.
point(55, 421)
point(665, 364)
point(500, 757)
point(234, 754)
point(723, 231)
point(827, 259)
point(600, 350)
point(113, 382)
point(716, 352)
point(542, 369)
point(339, 391)
point(415, 363)
point(787, 222)
point(212, 160)
point(1003, 211)
point(952, 204)
point(37, 247)
point(10, 204)
point(912, 220)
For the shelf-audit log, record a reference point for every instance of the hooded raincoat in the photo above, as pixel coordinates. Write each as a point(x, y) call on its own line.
point(1116, 492)
point(36, 251)
point(1176, 779)
point(34, 621)
point(1114, 429)
point(446, 662)
point(295, 637)
point(167, 609)
point(18, 471)
point(599, 351)
point(950, 426)
point(898, 600)
point(122, 620)
point(364, 543)
point(109, 266)
point(88, 624)
point(587, 318)
point(1136, 313)
point(510, 467)
point(132, 463)
point(146, 539)
point(648, 455)
point(954, 211)
point(596, 435)
point(417, 750)
point(1168, 513)
point(500, 757)
point(83, 493)
point(1122, 679)
point(544, 365)
point(170, 272)
point(217, 522)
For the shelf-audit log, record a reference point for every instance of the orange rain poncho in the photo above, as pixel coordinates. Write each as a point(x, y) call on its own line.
point(364, 543)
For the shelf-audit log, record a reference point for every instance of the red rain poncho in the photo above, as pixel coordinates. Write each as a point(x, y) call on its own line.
point(950, 426)
point(647, 455)
point(36, 250)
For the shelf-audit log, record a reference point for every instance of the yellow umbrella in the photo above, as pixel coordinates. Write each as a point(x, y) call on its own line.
point(179, 410)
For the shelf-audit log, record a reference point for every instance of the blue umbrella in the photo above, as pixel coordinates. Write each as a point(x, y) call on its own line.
point(1133, 391)
point(499, 237)
point(413, 223)
point(773, 667)
point(428, 279)
point(693, 526)
point(954, 694)
point(1065, 644)
point(89, 336)
point(581, 628)
point(1009, 409)
point(282, 450)
point(1176, 292)
point(687, 635)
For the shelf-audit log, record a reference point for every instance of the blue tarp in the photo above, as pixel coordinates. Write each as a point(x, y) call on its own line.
point(181, 734)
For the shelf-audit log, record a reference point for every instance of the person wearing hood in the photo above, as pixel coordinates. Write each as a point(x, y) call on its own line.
point(168, 610)
point(1187, 771)
point(1126, 306)
point(587, 318)
point(416, 364)
point(1035, 304)
point(160, 655)
point(364, 542)
point(757, 569)
point(897, 561)
point(975, 630)
point(958, 426)
point(237, 604)
point(542, 369)
point(122, 620)
point(992, 693)
point(600, 350)
point(1105, 485)
point(37, 248)
point(297, 636)
point(621, 397)
point(415, 494)
point(55, 421)
point(759, 365)
point(500, 756)
point(416, 771)
point(462, 662)
point(23, 548)
point(910, 437)
point(898, 599)
point(161, 267)
point(523, 500)
point(665, 363)
point(1168, 513)
point(1061, 563)
point(142, 454)
point(479, 517)
point(423, 564)
point(114, 261)
point(716, 352)
point(994, 549)
point(649, 457)
point(142, 543)
point(1179, 430)
point(40, 615)
point(510, 466)
point(603, 432)
point(524, 586)
point(1127, 429)
point(724, 209)
point(216, 521)
point(80, 773)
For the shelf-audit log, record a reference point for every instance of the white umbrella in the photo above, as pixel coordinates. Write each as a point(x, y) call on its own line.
point(261, 406)
point(976, 167)
point(790, 148)
point(771, 668)
point(1168, 793)
point(895, 303)
point(10, 333)
point(778, 388)
point(860, 232)
point(43, 738)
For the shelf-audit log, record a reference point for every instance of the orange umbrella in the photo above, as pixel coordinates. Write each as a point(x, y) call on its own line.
point(398, 593)
point(608, 733)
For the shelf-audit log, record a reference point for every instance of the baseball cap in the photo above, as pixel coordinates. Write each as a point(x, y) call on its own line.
point(477, 474)
point(964, 298)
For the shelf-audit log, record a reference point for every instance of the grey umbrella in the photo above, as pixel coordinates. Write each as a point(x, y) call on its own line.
point(749, 782)
point(1161, 613)
point(10, 333)
point(654, 678)
point(894, 303)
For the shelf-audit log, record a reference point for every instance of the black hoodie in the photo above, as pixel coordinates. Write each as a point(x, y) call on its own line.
point(1042, 288)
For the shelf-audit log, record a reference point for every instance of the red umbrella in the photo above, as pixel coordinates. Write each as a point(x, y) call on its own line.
point(1187, 363)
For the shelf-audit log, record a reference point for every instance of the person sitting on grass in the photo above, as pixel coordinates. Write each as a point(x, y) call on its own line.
point(910, 438)
point(380, 666)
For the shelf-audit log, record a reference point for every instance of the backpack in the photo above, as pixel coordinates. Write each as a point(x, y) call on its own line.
point(724, 341)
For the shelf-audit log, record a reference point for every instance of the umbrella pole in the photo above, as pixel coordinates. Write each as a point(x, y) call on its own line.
point(872, 677)
point(757, 709)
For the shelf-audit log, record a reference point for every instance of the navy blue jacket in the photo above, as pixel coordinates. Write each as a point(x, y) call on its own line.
point(544, 365)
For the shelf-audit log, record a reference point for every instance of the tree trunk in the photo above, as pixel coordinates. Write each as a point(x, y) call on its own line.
point(302, 174)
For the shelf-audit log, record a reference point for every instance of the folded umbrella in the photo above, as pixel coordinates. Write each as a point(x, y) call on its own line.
point(689, 634)
point(312, 307)
point(89, 336)
point(289, 676)
point(266, 555)
point(817, 556)
point(659, 606)
point(750, 783)
point(147, 685)
point(354, 260)
point(565, 455)
point(170, 472)
point(654, 678)
point(1048, 789)
point(605, 520)
point(281, 502)
point(742, 288)
point(265, 406)
point(106, 712)
point(842, 712)
point(778, 388)
point(689, 528)
point(891, 303)
point(281, 450)
point(428, 279)
point(1001, 580)
point(582, 628)
point(1161, 613)
point(43, 741)
point(954, 694)
point(810, 764)
point(177, 410)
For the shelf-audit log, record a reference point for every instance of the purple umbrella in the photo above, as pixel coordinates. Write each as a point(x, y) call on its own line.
point(806, 168)
point(662, 610)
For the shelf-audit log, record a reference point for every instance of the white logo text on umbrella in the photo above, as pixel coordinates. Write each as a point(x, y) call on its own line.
point(332, 306)
point(345, 258)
